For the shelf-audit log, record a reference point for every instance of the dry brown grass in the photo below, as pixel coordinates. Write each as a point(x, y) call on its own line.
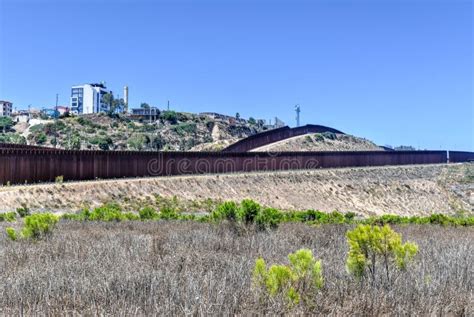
point(402, 190)
point(178, 268)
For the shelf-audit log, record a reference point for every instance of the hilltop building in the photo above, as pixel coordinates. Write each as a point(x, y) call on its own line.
point(152, 113)
point(21, 116)
point(63, 110)
point(277, 124)
point(6, 108)
point(87, 98)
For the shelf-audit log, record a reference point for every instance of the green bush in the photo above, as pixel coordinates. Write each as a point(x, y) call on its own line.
point(329, 135)
point(225, 211)
point(40, 138)
point(11, 233)
point(148, 213)
point(23, 211)
point(107, 212)
point(301, 278)
point(138, 142)
point(268, 218)
point(39, 225)
point(35, 227)
point(318, 137)
point(104, 142)
point(170, 116)
point(37, 128)
point(167, 213)
point(8, 216)
point(374, 246)
point(249, 209)
point(185, 128)
point(12, 137)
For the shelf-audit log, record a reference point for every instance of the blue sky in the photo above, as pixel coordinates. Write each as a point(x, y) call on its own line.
point(393, 71)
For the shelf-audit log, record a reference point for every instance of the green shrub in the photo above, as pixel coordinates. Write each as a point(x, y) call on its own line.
point(107, 212)
point(170, 116)
point(318, 137)
point(37, 128)
point(185, 128)
point(148, 213)
point(59, 179)
point(104, 142)
point(439, 219)
point(329, 135)
point(23, 211)
point(249, 209)
point(38, 225)
point(268, 218)
point(12, 137)
point(130, 216)
point(167, 213)
point(138, 142)
point(374, 246)
point(11, 233)
point(35, 227)
point(40, 138)
point(225, 211)
point(301, 278)
point(8, 216)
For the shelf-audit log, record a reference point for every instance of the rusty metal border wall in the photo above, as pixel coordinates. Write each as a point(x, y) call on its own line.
point(275, 135)
point(460, 156)
point(33, 165)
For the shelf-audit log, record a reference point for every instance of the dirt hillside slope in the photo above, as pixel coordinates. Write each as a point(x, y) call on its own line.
point(406, 190)
point(321, 142)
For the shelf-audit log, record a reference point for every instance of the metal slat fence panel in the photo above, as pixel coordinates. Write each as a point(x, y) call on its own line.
point(20, 165)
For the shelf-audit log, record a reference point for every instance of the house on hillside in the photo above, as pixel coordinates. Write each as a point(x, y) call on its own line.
point(6, 108)
point(152, 113)
point(21, 116)
point(63, 110)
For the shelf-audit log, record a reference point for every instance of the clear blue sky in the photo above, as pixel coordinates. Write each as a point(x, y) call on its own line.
point(393, 71)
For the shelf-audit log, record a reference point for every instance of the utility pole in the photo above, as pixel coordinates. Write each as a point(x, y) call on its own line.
point(298, 110)
point(168, 105)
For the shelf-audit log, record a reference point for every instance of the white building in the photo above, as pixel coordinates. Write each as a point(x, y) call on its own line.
point(21, 116)
point(5, 108)
point(87, 98)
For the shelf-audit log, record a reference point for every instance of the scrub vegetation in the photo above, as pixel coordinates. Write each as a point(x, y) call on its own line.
point(176, 267)
point(240, 258)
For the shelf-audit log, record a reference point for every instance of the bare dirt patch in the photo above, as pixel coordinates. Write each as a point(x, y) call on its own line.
point(321, 142)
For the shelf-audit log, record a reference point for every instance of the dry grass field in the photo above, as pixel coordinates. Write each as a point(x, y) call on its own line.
point(191, 268)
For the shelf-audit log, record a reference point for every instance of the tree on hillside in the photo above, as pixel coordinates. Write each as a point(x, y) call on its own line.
point(237, 116)
point(118, 105)
point(5, 123)
point(108, 99)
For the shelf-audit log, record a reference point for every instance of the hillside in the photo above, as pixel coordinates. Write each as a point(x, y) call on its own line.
point(171, 131)
point(321, 142)
point(403, 190)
